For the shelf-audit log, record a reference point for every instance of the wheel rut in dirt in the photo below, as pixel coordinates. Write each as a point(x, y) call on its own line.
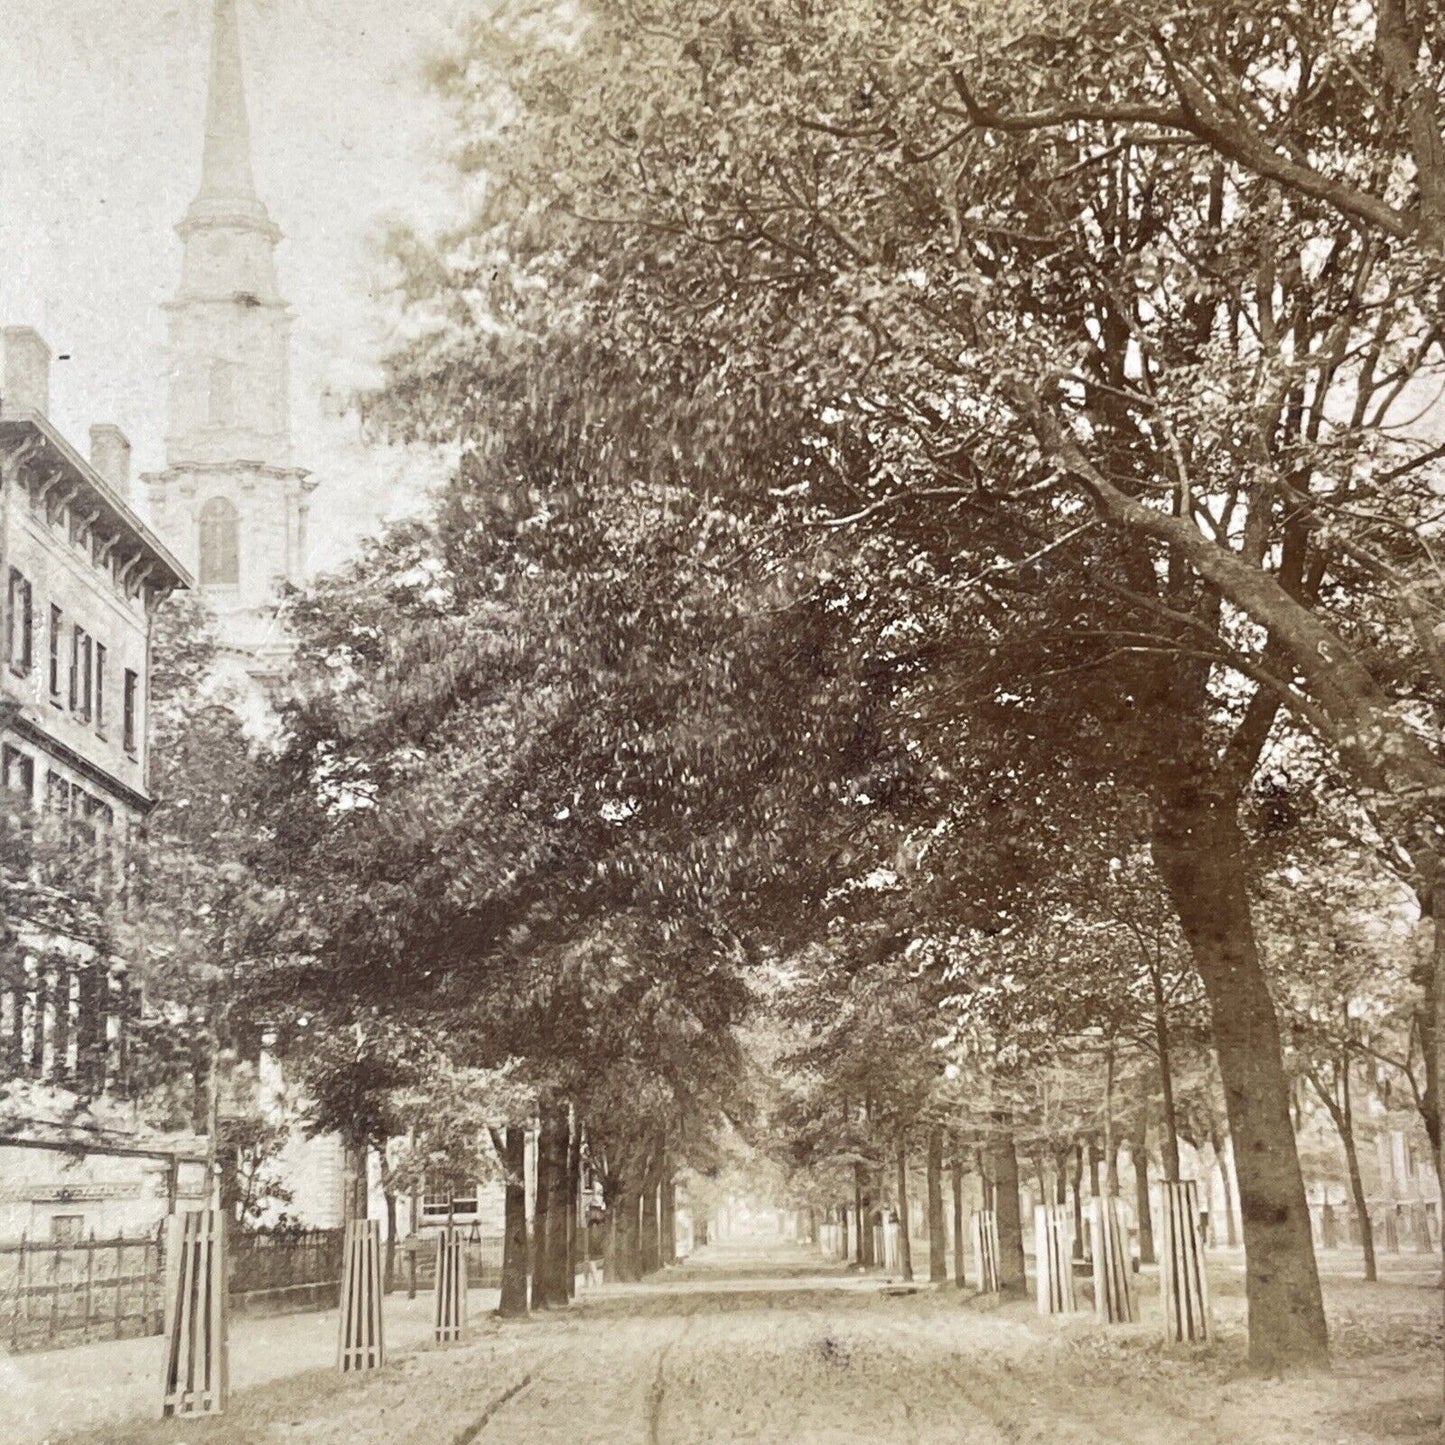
point(658, 1388)
point(472, 1431)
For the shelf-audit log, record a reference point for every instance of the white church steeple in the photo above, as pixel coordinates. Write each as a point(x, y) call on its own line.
point(231, 502)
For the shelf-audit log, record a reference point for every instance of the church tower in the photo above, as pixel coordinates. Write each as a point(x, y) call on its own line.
point(230, 502)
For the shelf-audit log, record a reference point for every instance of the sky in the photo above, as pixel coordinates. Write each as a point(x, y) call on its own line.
point(101, 115)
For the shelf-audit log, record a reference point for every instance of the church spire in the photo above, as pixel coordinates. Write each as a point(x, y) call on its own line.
point(228, 188)
point(226, 169)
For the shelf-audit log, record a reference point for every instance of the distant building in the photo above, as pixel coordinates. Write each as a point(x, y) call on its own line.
point(82, 578)
point(231, 502)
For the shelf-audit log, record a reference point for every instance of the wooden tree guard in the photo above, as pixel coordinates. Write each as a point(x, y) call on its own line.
point(196, 1365)
point(361, 1342)
point(1053, 1261)
point(451, 1286)
point(985, 1249)
point(1182, 1280)
point(1114, 1301)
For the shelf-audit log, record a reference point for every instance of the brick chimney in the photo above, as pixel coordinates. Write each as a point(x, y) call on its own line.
point(27, 372)
point(110, 456)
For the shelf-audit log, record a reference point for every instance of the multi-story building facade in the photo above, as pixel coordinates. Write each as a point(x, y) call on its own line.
point(82, 577)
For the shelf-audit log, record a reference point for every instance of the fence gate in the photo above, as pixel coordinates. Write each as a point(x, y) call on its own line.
point(1053, 1266)
point(985, 1249)
point(361, 1342)
point(1183, 1283)
point(196, 1357)
point(1113, 1272)
point(451, 1286)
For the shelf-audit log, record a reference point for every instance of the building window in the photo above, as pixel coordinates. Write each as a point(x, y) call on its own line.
point(82, 675)
point(19, 624)
point(130, 702)
point(219, 544)
point(55, 631)
point(57, 795)
point(447, 1199)
point(67, 1228)
point(19, 772)
point(100, 687)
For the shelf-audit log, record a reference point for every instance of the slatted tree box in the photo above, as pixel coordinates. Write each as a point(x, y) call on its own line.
point(451, 1286)
point(1053, 1266)
point(985, 1249)
point(1114, 1301)
point(1183, 1282)
point(196, 1365)
point(361, 1345)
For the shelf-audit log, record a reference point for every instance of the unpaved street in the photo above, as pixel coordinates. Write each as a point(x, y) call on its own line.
point(763, 1343)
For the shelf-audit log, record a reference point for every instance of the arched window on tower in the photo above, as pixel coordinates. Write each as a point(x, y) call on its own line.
point(220, 557)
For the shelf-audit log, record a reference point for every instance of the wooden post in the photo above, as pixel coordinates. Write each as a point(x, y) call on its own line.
point(54, 1317)
point(1114, 1302)
point(451, 1286)
point(360, 1346)
point(196, 1379)
point(118, 1328)
point(89, 1288)
point(1183, 1282)
point(985, 1249)
point(21, 1282)
point(1053, 1262)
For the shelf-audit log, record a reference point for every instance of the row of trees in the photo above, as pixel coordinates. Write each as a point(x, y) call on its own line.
point(1039, 380)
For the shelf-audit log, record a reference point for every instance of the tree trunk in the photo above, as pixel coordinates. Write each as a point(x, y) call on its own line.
point(1341, 1111)
point(353, 1181)
point(867, 1253)
point(575, 1236)
point(549, 1284)
point(389, 1274)
point(514, 1226)
point(669, 1216)
point(1111, 1146)
point(858, 1221)
point(1362, 1208)
point(611, 1230)
point(649, 1239)
point(1198, 850)
point(541, 1216)
point(627, 1266)
point(956, 1170)
point(1093, 1194)
point(1139, 1153)
point(200, 1068)
point(1078, 1249)
point(905, 1240)
point(1011, 1276)
point(1219, 1143)
point(937, 1234)
point(1429, 1113)
point(1169, 1148)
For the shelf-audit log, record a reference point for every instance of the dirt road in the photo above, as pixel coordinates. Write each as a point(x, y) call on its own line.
point(758, 1343)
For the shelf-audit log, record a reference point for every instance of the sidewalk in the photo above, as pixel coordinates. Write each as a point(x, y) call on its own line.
point(46, 1395)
